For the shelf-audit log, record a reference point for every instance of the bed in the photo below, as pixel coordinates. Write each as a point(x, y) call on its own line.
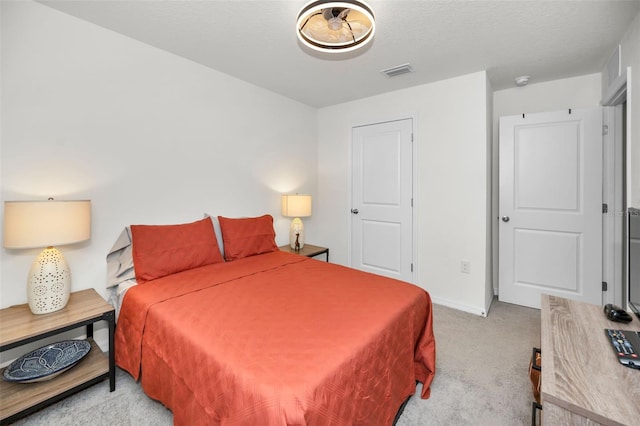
point(262, 337)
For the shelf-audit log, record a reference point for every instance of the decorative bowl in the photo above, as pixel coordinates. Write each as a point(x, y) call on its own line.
point(46, 362)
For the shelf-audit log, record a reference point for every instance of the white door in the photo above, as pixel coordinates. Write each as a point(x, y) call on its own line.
point(382, 191)
point(550, 225)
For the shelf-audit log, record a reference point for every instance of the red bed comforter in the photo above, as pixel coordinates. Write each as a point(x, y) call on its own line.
point(277, 339)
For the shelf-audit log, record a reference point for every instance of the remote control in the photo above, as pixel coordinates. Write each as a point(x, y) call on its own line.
point(626, 344)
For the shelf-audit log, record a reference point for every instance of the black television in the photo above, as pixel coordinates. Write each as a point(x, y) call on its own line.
point(633, 259)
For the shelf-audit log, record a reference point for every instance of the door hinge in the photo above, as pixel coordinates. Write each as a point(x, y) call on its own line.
point(412, 202)
point(605, 130)
point(411, 137)
point(604, 286)
point(605, 208)
point(412, 267)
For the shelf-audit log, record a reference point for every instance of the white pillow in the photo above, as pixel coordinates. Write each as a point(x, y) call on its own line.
point(218, 231)
point(120, 260)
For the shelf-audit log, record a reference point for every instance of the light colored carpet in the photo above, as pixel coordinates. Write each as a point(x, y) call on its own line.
point(482, 369)
point(481, 379)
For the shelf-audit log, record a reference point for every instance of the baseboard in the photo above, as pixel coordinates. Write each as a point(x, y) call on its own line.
point(459, 306)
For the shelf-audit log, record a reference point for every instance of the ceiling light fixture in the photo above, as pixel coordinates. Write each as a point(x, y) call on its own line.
point(335, 26)
point(522, 80)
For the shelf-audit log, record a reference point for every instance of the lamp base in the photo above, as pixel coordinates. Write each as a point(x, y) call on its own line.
point(49, 282)
point(296, 234)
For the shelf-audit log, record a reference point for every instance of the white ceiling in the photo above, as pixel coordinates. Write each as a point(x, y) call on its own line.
point(255, 41)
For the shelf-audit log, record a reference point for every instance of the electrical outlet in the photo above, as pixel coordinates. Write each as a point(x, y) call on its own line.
point(465, 266)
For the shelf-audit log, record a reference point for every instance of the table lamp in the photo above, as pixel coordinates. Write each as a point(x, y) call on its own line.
point(296, 206)
point(31, 224)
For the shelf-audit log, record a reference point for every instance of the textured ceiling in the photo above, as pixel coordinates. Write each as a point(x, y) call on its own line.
point(255, 41)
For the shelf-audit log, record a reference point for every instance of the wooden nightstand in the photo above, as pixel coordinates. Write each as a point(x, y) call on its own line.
point(308, 250)
point(18, 326)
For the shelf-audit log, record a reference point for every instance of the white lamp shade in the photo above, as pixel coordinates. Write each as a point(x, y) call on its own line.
point(29, 224)
point(298, 205)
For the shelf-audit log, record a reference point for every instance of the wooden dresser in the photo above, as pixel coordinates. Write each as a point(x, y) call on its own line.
point(582, 381)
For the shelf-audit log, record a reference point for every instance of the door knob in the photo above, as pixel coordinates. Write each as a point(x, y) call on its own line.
point(354, 211)
point(505, 218)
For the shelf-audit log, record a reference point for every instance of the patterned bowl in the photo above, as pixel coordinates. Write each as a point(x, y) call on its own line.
point(46, 362)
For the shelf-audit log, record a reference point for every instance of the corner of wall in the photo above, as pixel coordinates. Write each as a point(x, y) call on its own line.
point(489, 251)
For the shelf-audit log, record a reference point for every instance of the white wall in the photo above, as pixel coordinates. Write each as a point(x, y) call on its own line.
point(630, 55)
point(148, 136)
point(630, 68)
point(576, 92)
point(452, 181)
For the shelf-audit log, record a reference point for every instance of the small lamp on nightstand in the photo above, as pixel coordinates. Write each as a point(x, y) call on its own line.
point(31, 224)
point(296, 206)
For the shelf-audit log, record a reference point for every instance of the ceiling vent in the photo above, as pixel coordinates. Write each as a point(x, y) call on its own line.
point(399, 70)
